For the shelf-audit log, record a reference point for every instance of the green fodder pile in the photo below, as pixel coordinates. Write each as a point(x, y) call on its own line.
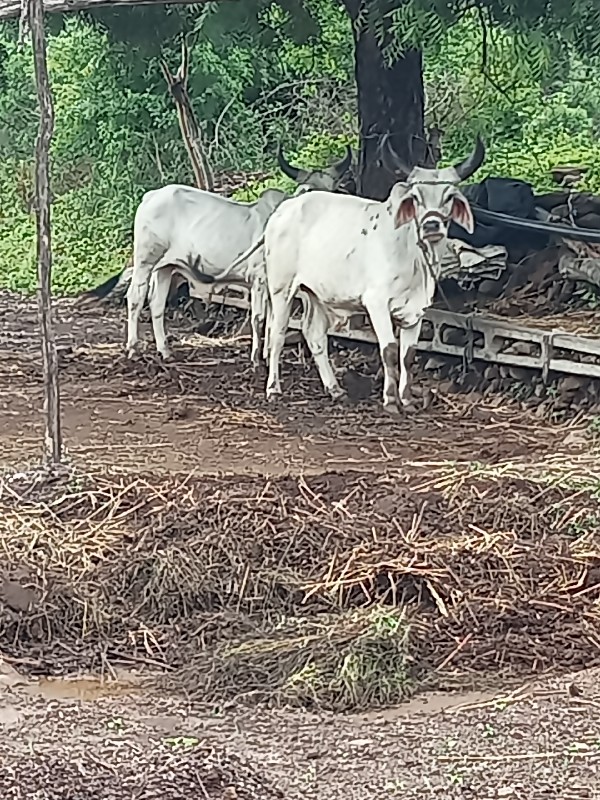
point(341, 590)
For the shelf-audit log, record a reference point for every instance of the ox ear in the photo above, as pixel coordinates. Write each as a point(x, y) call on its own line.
point(462, 214)
point(402, 205)
point(406, 211)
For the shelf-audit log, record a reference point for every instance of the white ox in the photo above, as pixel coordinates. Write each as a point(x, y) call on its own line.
point(347, 254)
point(197, 233)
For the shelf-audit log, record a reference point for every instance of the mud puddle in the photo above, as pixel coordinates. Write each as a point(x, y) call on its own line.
point(86, 688)
point(129, 685)
point(431, 703)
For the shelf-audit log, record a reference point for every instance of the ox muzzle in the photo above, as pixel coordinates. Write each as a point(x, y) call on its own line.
point(433, 227)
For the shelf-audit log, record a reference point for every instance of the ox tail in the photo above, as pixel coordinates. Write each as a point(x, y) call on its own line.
point(204, 277)
point(102, 291)
point(116, 285)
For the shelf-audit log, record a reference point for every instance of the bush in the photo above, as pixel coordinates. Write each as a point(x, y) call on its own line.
point(253, 81)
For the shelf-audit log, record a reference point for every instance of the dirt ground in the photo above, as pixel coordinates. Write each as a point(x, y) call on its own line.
point(67, 740)
point(207, 412)
point(500, 489)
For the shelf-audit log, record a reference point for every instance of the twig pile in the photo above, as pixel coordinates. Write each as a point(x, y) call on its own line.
point(126, 769)
point(307, 590)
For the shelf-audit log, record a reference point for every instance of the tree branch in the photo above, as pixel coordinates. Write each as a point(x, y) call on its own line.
point(12, 8)
point(352, 8)
point(188, 124)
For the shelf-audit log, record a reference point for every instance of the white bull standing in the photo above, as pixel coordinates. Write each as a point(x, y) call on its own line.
point(198, 233)
point(346, 254)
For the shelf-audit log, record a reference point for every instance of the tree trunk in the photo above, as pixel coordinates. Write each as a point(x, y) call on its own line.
point(188, 124)
point(390, 101)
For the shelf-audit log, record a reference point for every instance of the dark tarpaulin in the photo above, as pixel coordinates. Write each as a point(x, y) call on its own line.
point(509, 196)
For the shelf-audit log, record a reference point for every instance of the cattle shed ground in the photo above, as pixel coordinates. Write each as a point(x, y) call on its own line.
point(305, 599)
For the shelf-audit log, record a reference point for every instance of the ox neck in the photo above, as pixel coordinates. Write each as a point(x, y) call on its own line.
point(432, 253)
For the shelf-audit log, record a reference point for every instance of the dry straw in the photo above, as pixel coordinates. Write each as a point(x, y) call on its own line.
point(340, 590)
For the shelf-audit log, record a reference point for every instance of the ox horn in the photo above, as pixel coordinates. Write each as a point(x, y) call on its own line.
point(288, 169)
point(392, 161)
point(472, 163)
point(341, 167)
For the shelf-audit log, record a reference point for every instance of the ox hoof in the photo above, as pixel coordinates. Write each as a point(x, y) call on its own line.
point(131, 353)
point(428, 398)
point(335, 392)
point(392, 408)
point(409, 404)
point(166, 355)
point(273, 394)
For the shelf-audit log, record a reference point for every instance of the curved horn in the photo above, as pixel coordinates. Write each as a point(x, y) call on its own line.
point(392, 161)
point(472, 163)
point(285, 166)
point(343, 166)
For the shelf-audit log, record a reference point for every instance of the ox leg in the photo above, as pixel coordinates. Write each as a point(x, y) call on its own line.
point(158, 303)
point(136, 296)
point(390, 354)
point(315, 325)
point(268, 321)
point(281, 311)
point(258, 303)
point(266, 338)
point(408, 344)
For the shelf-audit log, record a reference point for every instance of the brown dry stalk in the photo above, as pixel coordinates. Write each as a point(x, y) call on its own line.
point(170, 569)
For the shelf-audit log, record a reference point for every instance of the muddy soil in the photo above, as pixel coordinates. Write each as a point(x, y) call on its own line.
point(207, 411)
point(64, 739)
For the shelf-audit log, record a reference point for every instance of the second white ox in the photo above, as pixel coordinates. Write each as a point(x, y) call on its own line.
point(348, 254)
point(194, 232)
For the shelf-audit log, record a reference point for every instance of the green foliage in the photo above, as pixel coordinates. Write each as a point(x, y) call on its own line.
point(265, 71)
point(529, 127)
point(539, 30)
point(116, 132)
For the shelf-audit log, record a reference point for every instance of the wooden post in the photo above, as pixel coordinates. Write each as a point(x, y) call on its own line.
point(33, 13)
